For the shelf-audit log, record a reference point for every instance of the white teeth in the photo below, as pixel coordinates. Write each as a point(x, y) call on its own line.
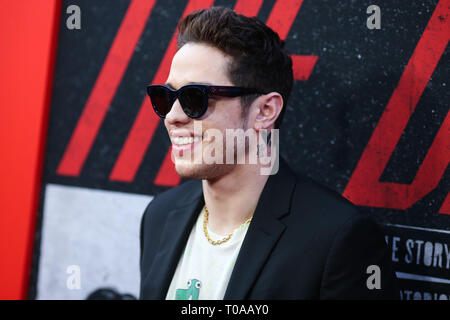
point(184, 140)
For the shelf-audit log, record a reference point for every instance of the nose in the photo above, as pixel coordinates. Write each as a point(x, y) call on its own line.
point(176, 114)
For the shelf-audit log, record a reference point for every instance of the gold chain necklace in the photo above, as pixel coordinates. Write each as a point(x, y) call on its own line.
point(218, 242)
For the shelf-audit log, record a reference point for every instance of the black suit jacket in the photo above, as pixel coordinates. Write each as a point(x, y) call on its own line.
point(304, 242)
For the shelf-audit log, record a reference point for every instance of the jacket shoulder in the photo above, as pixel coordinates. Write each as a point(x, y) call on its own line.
point(325, 210)
point(171, 198)
point(321, 202)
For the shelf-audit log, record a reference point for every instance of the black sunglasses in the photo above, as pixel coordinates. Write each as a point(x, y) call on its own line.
point(193, 98)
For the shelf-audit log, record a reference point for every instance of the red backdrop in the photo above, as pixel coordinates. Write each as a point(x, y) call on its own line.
point(28, 33)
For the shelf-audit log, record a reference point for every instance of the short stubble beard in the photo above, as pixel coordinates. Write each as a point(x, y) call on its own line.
point(203, 171)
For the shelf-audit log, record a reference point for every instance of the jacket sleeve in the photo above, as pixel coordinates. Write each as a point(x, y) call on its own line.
point(358, 264)
point(141, 239)
point(143, 234)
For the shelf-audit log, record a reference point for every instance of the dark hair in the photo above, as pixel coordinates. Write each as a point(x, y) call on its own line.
point(258, 58)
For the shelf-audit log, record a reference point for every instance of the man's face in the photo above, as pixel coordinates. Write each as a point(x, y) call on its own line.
point(198, 63)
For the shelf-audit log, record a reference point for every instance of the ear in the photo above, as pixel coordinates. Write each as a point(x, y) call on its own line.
point(268, 108)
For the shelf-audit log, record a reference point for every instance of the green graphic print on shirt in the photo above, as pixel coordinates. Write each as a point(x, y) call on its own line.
point(192, 292)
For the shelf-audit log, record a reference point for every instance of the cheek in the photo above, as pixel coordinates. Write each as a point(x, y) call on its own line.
point(222, 114)
point(230, 115)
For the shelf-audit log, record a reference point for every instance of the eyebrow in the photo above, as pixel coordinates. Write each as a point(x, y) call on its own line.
point(199, 83)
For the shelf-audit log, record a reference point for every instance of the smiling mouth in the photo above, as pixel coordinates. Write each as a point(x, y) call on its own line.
point(185, 140)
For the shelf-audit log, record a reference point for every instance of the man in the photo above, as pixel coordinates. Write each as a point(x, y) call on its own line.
point(232, 232)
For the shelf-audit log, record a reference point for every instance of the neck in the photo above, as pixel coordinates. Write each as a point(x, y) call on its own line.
point(232, 199)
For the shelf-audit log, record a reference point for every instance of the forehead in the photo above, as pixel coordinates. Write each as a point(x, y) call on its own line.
point(199, 63)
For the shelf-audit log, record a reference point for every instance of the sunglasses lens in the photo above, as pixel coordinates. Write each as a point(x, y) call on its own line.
point(161, 100)
point(193, 101)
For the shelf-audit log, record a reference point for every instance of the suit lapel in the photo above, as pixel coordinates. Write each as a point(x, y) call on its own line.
point(263, 232)
point(176, 232)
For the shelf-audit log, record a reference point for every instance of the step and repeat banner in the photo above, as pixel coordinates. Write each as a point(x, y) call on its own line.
point(368, 117)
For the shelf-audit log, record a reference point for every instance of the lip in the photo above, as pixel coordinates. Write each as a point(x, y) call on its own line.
point(183, 147)
point(180, 148)
point(181, 133)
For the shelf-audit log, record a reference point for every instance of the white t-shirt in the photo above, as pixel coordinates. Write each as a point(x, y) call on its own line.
point(204, 270)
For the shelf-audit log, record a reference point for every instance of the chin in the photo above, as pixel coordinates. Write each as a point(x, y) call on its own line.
point(189, 170)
